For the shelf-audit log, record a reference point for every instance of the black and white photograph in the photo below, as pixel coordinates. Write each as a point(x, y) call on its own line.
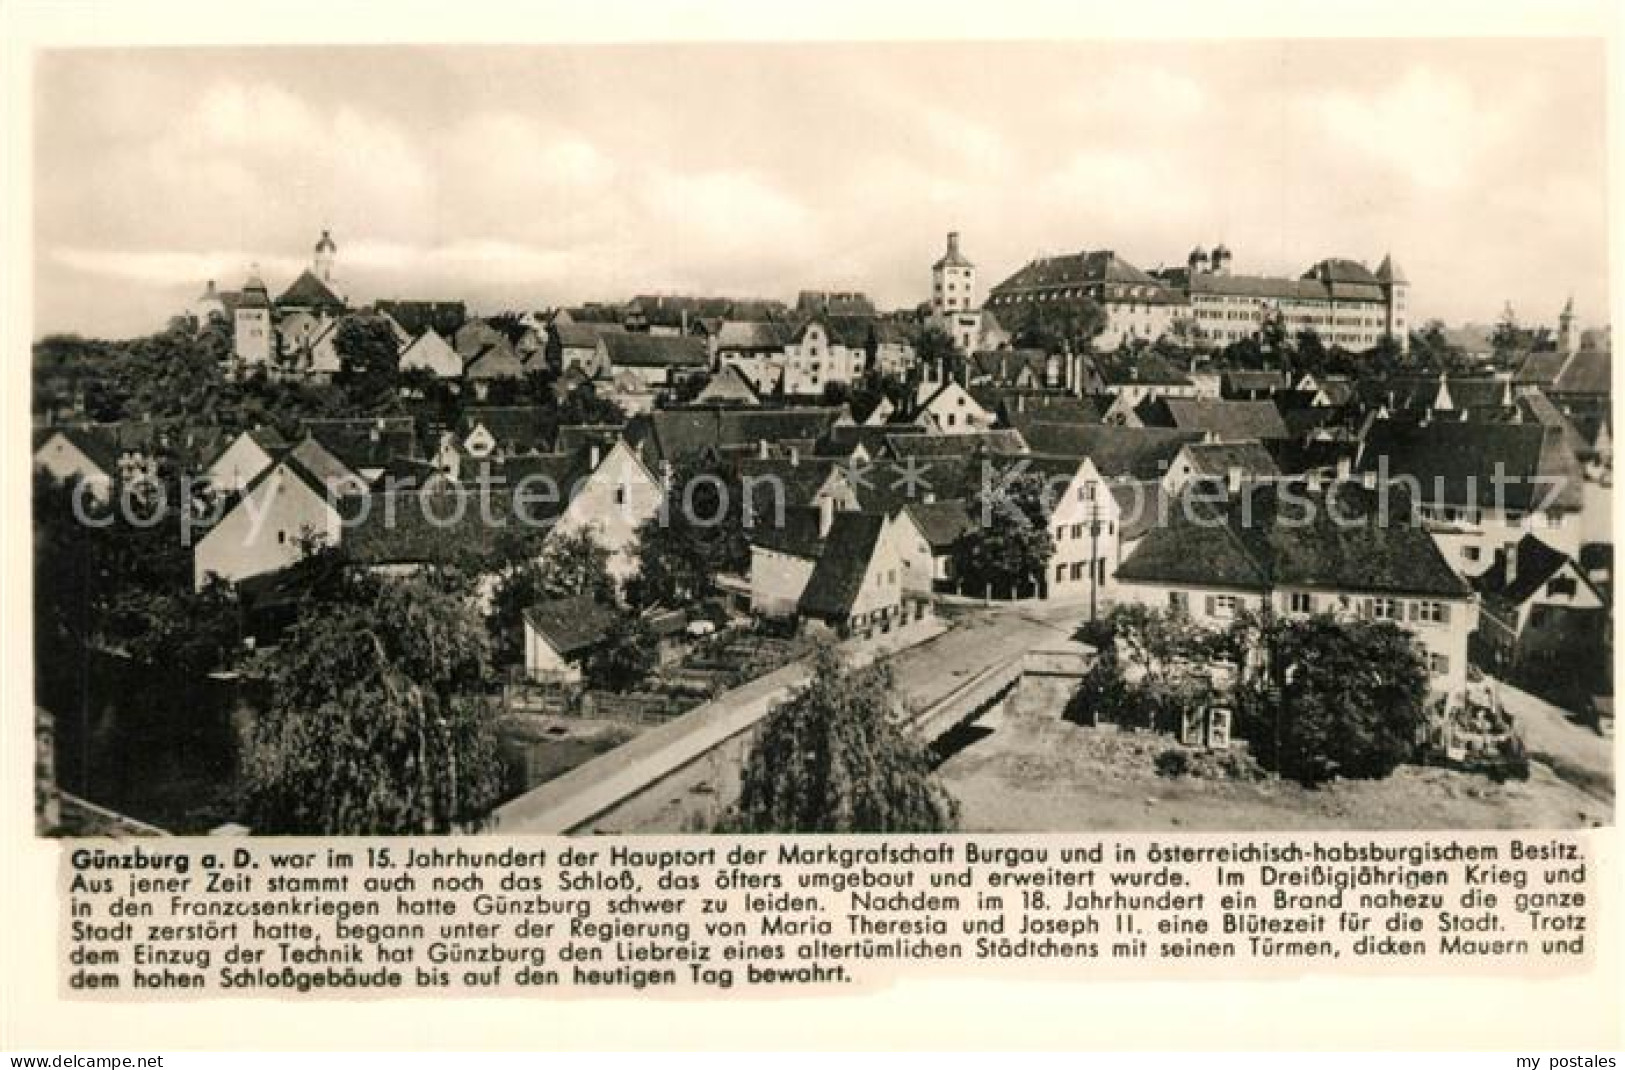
point(740, 437)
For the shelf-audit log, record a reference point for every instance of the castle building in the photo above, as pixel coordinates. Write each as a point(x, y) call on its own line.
point(1341, 300)
point(1209, 305)
point(1138, 306)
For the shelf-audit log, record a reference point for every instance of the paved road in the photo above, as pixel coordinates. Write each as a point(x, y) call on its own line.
point(980, 639)
point(1575, 752)
point(691, 793)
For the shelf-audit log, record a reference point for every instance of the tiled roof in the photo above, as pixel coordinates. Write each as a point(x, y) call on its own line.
point(307, 291)
point(440, 523)
point(1117, 452)
point(942, 522)
point(679, 434)
point(1536, 563)
point(1229, 420)
point(516, 428)
point(495, 360)
point(838, 576)
point(571, 625)
point(327, 468)
point(1590, 371)
point(795, 533)
point(753, 335)
point(1218, 459)
point(1458, 462)
point(1354, 539)
point(583, 335)
point(728, 387)
point(365, 442)
point(1540, 368)
point(964, 445)
point(1147, 368)
point(655, 350)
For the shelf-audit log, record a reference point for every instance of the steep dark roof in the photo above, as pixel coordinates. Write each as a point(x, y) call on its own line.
point(1218, 459)
point(728, 387)
point(1147, 368)
point(1099, 268)
point(307, 291)
point(1353, 539)
point(1540, 367)
point(942, 523)
point(655, 350)
point(1457, 463)
point(963, 445)
point(680, 434)
point(753, 336)
point(1141, 506)
point(1008, 366)
point(571, 625)
point(1536, 563)
point(441, 523)
point(496, 359)
point(365, 442)
point(1590, 371)
point(838, 576)
point(795, 533)
point(583, 335)
point(1228, 420)
point(1117, 452)
point(516, 428)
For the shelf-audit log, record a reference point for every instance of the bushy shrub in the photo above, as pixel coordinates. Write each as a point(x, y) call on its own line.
point(1173, 763)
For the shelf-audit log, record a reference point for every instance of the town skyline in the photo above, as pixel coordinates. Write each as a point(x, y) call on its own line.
point(499, 177)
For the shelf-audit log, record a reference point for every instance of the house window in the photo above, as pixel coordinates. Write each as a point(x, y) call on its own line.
point(1561, 587)
point(1077, 570)
point(1060, 573)
point(281, 537)
point(1438, 664)
point(620, 494)
point(1077, 531)
point(1222, 605)
point(1301, 602)
point(1385, 608)
point(1471, 553)
point(1179, 601)
point(1430, 612)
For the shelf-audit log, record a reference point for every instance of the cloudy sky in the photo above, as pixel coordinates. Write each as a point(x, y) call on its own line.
point(527, 177)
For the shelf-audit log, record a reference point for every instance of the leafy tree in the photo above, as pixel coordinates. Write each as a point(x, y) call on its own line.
point(1009, 546)
point(1335, 698)
point(835, 757)
point(376, 720)
point(572, 563)
point(934, 346)
point(699, 532)
point(1060, 326)
point(1508, 337)
point(369, 361)
point(623, 658)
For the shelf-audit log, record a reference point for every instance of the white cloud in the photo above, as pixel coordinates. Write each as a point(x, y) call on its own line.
point(1427, 127)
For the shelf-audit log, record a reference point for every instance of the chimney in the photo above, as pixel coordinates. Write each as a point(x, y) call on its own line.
point(1368, 479)
point(1344, 466)
point(1510, 553)
point(761, 449)
point(594, 455)
point(1232, 479)
point(953, 244)
point(795, 457)
point(826, 515)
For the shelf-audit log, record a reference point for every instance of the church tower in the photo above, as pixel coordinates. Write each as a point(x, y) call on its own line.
point(322, 261)
point(251, 334)
point(1568, 339)
point(953, 280)
point(1396, 299)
